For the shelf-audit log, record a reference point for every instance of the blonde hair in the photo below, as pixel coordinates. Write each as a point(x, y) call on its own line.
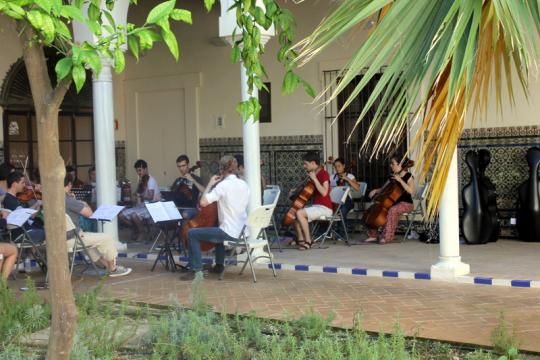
point(226, 163)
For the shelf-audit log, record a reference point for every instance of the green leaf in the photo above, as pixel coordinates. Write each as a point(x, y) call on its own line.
point(160, 11)
point(35, 18)
point(171, 42)
point(247, 5)
point(235, 54)
point(145, 39)
point(94, 13)
point(110, 18)
point(63, 68)
point(48, 29)
point(79, 76)
point(119, 61)
point(290, 82)
point(182, 15)
point(308, 89)
point(62, 28)
point(133, 46)
point(93, 60)
point(72, 12)
point(16, 9)
point(44, 4)
point(208, 4)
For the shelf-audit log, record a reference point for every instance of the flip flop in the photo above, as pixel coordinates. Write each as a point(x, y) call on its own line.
point(371, 240)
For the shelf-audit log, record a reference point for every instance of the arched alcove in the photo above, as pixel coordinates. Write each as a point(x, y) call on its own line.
point(20, 130)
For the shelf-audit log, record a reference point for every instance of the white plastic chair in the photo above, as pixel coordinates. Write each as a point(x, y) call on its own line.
point(259, 218)
point(338, 195)
point(270, 197)
point(419, 209)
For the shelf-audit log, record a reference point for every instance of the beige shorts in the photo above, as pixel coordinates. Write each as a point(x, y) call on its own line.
point(99, 245)
point(315, 212)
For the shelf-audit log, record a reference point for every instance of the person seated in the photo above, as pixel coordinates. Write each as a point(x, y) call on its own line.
point(186, 189)
point(77, 183)
point(34, 229)
point(100, 246)
point(147, 191)
point(241, 170)
point(321, 206)
point(405, 180)
point(5, 169)
point(344, 178)
point(231, 194)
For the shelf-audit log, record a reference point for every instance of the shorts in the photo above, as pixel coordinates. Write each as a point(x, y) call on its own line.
point(140, 210)
point(315, 212)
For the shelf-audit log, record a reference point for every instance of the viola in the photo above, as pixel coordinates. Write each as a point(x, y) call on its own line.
point(299, 202)
point(376, 215)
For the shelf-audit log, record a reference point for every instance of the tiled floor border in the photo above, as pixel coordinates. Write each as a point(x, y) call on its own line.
point(478, 280)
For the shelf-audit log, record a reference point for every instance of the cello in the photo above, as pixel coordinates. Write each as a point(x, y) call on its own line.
point(299, 202)
point(529, 200)
point(376, 215)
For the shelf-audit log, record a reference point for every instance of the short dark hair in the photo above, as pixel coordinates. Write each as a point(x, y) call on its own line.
point(239, 159)
point(181, 158)
point(5, 169)
point(68, 179)
point(70, 168)
point(339, 160)
point(140, 164)
point(14, 177)
point(312, 156)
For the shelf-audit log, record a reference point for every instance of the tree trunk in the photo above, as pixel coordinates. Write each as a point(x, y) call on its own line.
point(52, 169)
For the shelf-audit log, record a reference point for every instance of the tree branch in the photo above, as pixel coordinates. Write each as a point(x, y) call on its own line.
point(59, 93)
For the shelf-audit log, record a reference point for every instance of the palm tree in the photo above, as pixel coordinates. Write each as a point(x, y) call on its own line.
point(442, 56)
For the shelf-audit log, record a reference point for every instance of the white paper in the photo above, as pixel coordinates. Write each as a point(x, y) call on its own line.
point(19, 216)
point(163, 211)
point(106, 212)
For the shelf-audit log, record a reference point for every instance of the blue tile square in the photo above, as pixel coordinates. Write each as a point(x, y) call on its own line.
point(142, 256)
point(483, 280)
point(301, 267)
point(388, 273)
point(422, 276)
point(183, 258)
point(122, 255)
point(358, 271)
point(521, 283)
point(277, 266)
point(329, 269)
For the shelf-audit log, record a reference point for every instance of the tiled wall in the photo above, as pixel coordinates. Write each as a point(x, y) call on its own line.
point(282, 157)
point(508, 167)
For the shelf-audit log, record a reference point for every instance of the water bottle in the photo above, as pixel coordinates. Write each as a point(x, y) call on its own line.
point(27, 265)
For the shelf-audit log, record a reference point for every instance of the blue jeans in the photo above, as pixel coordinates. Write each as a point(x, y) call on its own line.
point(209, 234)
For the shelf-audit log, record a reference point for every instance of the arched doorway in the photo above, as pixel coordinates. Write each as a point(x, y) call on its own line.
point(76, 130)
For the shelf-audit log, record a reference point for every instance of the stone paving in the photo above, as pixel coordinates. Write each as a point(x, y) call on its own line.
point(447, 311)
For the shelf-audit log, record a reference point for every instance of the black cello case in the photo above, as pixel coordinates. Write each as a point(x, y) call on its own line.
point(479, 223)
point(528, 216)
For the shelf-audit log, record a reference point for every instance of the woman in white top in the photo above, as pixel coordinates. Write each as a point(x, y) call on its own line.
point(343, 178)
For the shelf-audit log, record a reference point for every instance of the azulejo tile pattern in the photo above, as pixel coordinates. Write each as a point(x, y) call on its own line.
point(508, 167)
point(281, 155)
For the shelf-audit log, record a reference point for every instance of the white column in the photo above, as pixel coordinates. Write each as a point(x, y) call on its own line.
point(104, 144)
point(449, 265)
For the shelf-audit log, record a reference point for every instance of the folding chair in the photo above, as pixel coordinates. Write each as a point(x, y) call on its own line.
point(419, 209)
point(24, 242)
point(259, 218)
point(78, 247)
point(338, 195)
point(271, 197)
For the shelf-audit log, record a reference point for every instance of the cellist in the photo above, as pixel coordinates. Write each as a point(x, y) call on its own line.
point(321, 205)
point(400, 174)
point(231, 194)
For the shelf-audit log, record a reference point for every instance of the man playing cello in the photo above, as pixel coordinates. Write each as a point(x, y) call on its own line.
point(231, 195)
point(321, 206)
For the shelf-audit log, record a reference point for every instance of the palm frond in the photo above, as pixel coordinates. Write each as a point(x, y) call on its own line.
point(458, 49)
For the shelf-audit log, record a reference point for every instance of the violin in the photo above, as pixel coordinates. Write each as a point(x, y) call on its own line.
point(185, 189)
point(29, 194)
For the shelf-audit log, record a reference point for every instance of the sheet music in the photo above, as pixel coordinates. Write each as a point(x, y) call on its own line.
point(19, 216)
point(106, 212)
point(163, 211)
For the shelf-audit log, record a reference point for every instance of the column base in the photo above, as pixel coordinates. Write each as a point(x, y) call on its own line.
point(449, 268)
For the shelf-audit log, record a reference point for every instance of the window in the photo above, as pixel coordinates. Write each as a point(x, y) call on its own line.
point(265, 99)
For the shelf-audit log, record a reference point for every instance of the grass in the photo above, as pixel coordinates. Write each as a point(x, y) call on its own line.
point(105, 328)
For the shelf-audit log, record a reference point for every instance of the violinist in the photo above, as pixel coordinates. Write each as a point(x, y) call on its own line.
point(5, 169)
point(400, 174)
point(344, 178)
point(16, 183)
point(231, 194)
point(321, 206)
point(77, 183)
point(147, 191)
point(186, 188)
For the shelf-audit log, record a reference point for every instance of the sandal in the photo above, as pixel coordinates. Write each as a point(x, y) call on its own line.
point(304, 245)
point(371, 240)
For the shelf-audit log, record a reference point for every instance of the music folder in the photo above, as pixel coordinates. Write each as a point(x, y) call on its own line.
point(106, 212)
point(163, 211)
point(19, 216)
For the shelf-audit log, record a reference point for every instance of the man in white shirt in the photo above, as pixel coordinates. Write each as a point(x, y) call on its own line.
point(231, 194)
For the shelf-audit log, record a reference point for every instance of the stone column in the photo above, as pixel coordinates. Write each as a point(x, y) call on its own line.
point(104, 144)
point(449, 265)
